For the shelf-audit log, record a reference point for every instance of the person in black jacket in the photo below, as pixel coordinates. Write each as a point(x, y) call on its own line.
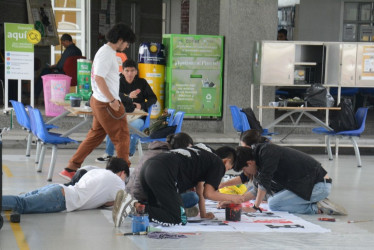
point(142, 97)
point(305, 182)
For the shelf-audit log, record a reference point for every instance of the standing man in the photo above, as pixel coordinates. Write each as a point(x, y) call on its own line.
point(70, 50)
point(142, 96)
point(109, 116)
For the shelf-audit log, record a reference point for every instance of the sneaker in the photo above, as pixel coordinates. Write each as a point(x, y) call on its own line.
point(328, 207)
point(66, 174)
point(123, 206)
point(192, 211)
point(104, 159)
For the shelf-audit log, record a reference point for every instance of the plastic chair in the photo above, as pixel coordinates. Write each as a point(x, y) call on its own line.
point(23, 120)
point(39, 129)
point(147, 119)
point(361, 115)
point(171, 113)
point(177, 121)
point(241, 123)
point(237, 120)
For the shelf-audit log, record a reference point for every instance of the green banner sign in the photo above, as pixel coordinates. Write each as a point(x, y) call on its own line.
point(16, 37)
point(194, 74)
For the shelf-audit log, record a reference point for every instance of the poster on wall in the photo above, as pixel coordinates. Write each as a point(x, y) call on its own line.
point(40, 14)
point(194, 74)
point(368, 63)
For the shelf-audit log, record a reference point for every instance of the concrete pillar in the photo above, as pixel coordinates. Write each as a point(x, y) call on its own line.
point(243, 22)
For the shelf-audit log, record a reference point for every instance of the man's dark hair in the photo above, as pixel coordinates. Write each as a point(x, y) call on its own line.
point(252, 136)
point(120, 31)
point(283, 31)
point(243, 154)
point(226, 152)
point(129, 63)
point(66, 37)
point(179, 140)
point(117, 165)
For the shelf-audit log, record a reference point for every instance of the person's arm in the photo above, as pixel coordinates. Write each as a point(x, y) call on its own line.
point(234, 181)
point(261, 192)
point(101, 84)
point(109, 204)
point(211, 194)
point(149, 95)
point(199, 191)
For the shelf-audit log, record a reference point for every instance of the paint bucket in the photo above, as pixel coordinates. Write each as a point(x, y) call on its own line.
point(139, 223)
point(233, 212)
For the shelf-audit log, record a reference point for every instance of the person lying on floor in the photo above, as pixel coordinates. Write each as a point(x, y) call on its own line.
point(189, 198)
point(305, 182)
point(97, 188)
point(165, 176)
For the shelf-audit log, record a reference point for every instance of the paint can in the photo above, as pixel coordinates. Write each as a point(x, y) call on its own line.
point(233, 212)
point(139, 223)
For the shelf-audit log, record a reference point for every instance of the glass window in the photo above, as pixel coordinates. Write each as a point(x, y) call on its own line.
point(68, 20)
point(68, 3)
point(350, 11)
point(365, 12)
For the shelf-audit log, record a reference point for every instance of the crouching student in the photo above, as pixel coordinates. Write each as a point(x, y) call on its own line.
point(96, 188)
point(173, 141)
point(305, 183)
point(165, 176)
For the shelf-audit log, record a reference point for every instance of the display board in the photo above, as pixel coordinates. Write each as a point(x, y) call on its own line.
point(194, 74)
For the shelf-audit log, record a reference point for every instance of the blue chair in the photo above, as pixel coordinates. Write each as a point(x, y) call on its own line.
point(177, 121)
point(23, 120)
point(171, 113)
point(39, 129)
point(241, 123)
point(361, 115)
point(147, 119)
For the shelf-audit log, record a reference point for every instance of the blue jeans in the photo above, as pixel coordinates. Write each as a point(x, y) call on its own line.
point(47, 199)
point(138, 123)
point(189, 199)
point(286, 200)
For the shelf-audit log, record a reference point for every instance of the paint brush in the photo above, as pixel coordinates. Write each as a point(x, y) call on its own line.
point(357, 221)
point(138, 233)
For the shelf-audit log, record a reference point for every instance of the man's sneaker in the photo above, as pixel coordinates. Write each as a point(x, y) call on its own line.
point(123, 206)
point(328, 207)
point(103, 159)
point(192, 211)
point(66, 174)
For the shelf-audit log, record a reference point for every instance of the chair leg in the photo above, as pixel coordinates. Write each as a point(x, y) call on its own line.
point(140, 149)
point(41, 159)
point(28, 146)
point(37, 154)
point(328, 146)
point(357, 151)
point(53, 163)
point(336, 146)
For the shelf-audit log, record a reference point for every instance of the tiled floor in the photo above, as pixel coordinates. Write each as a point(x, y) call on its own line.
point(352, 187)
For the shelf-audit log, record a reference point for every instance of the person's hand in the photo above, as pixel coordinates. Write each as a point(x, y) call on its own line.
point(137, 105)
point(249, 210)
point(237, 199)
point(134, 94)
point(222, 204)
point(207, 216)
point(115, 105)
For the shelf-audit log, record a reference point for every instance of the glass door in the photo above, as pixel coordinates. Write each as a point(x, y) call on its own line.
point(72, 17)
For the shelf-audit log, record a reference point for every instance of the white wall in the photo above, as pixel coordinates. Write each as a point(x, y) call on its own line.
point(319, 20)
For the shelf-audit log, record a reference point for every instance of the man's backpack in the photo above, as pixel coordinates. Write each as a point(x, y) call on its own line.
point(253, 122)
point(344, 119)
